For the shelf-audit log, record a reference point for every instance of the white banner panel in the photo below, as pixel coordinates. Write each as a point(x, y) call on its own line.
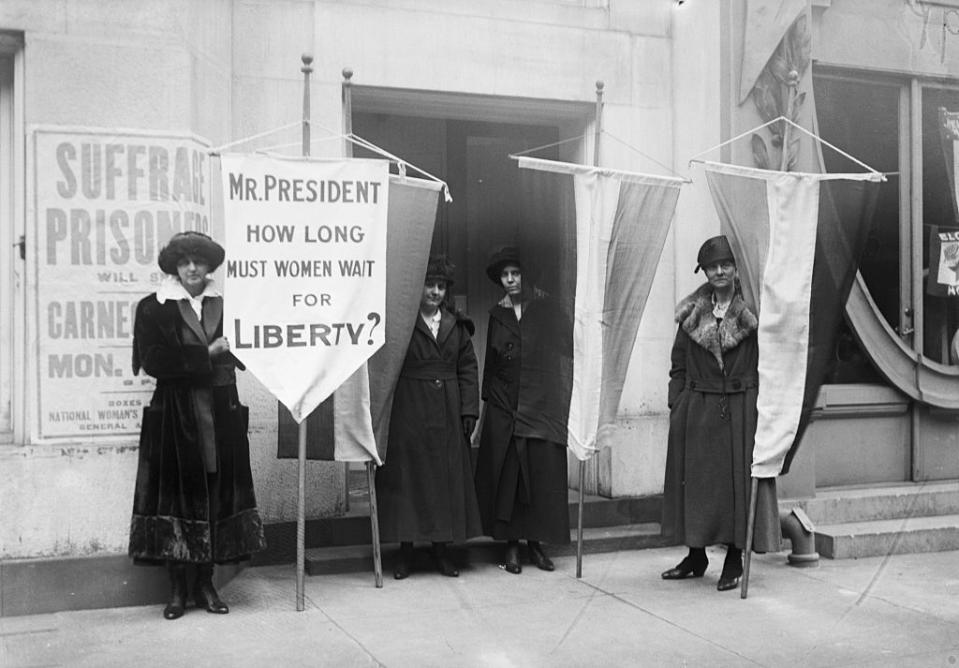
point(103, 203)
point(305, 270)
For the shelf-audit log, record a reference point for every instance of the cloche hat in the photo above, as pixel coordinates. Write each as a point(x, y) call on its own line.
point(715, 249)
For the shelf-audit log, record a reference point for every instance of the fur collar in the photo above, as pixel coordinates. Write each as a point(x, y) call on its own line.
point(695, 316)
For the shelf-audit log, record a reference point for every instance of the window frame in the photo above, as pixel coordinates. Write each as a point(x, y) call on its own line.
point(12, 237)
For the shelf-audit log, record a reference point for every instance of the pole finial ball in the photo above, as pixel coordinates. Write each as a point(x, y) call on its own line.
point(600, 85)
point(307, 59)
point(347, 73)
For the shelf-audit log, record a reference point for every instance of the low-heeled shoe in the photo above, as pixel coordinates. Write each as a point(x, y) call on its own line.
point(206, 597)
point(685, 569)
point(512, 564)
point(541, 561)
point(727, 582)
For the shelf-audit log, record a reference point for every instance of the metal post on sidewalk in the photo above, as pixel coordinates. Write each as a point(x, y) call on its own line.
point(301, 445)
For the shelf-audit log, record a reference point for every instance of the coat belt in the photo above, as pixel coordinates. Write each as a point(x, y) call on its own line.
point(730, 385)
point(429, 370)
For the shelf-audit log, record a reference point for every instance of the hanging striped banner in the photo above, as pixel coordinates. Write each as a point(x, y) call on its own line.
point(609, 236)
point(352, 425)
point(797, 239)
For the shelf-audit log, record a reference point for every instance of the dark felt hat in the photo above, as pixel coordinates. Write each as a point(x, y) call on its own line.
point(713, 250)
point(499, 259)
point(190, 244)
point(440, 268)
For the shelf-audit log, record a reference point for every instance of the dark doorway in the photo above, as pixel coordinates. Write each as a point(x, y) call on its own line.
point(486, 211)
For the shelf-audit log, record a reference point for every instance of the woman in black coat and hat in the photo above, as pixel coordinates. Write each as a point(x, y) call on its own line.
point(424, 489)
point(712, 424)
point(521, 478)
point(194, 502)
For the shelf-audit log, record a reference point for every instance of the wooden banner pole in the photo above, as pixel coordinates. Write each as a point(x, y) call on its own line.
point(750, 528)
point(374, 525)
point(301, 445)
point(582, 464)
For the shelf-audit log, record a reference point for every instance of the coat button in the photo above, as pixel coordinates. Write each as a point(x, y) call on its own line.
point(509, 357)
point(509, 345)
point(437, 383)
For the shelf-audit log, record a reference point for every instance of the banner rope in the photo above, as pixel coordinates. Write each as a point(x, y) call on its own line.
point(540, 148)
point(608, 134)
point(400, 163)
point(259, 135)
point(696, 158)
point(648, 157)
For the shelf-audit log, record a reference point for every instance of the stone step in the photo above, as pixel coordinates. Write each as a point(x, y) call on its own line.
point(358, 558)
point(353, 528)
point(851, 540)
point(882, 502)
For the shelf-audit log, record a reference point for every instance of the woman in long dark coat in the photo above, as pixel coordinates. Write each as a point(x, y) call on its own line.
point(424, 489)
point(712, 398)
point(194, 501)
point(521, 477)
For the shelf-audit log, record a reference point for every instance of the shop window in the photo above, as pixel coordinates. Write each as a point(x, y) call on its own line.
point(870, 117)
point(864, 119)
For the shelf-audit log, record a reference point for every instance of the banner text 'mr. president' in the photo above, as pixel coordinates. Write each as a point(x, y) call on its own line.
point(327, 191)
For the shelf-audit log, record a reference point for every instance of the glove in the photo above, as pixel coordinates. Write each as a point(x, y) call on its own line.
point(469, 424)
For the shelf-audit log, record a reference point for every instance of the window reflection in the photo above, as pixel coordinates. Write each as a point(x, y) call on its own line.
point(863, 119)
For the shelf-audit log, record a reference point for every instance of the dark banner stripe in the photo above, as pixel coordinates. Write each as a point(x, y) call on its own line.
point(319, 433)
point(547, 239)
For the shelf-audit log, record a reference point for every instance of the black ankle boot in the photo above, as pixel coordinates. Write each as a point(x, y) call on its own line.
point(443, 561)
point(177, 605)
point(404, 561)
point(512, 564)
point(204, 594)
point(693, 565)
point(732, 569)
point(538, 557)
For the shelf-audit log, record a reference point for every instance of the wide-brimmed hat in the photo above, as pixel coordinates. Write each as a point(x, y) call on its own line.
point(713, 250)
point(499, 259)
point(440, 268)
point(190, 244)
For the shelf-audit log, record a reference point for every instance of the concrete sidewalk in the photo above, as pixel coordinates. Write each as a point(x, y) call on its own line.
point(900, 610)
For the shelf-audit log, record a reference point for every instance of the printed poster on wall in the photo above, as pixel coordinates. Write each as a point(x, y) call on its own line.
point(305, 270)
point(104, 203)
point(943, 278)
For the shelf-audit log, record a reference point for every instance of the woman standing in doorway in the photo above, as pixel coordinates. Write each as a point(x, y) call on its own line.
point(521, 478)
point(194, 502)
point(712, 398)
point(424, 488)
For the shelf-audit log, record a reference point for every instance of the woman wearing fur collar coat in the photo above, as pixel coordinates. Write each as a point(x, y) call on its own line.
point(712, 398)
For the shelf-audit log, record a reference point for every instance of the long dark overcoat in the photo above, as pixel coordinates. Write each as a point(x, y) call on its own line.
point(521, 474)
point(712, 426)
point(424, 489)
point(181, 510)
